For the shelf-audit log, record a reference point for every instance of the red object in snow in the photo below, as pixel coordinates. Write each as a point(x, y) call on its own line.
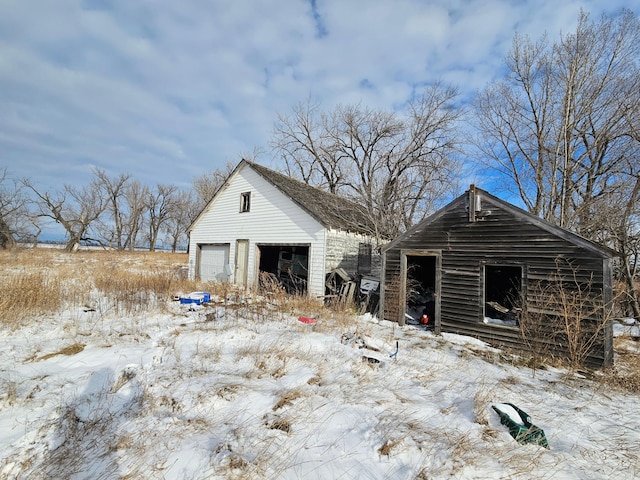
point(425, 319)
point(307, 320)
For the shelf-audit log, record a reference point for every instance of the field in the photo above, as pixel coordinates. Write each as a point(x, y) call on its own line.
point(103, 375)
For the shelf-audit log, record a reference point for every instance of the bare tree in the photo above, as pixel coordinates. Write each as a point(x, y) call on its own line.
point(159, 202)
point(206, 185)
point(557, 125)
point(561, 128)
point(182, 213)
point(396, 165)
point(114, 189)
point(76, 209)
point(624, 225)
point(136, 197)
point(14, 211)
point(307, 141)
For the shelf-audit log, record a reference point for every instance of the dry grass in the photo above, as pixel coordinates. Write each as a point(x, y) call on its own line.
point(386, 447)
point(69, 350)
point(481, 402)
point(42, 281)
point(28, 294)
point(281, 424)
point(143, 280)
point(136, 291)
point(266, 359)
point(625, 375)
point(287, 398)
point(628, 383)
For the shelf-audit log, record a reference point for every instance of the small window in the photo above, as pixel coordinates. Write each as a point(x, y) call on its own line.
point(502, 294)
point(364, 258)
point(245, 202)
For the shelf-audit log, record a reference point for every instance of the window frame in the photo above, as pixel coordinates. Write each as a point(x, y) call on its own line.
point(245, 202)
point(483, 293)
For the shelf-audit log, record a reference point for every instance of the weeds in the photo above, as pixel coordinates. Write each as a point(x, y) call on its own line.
point(287, 398)
point(565, 317)
point(481, 402)
point(70, 350)
point(386, 447)
point(197, 388)
point(29, 294)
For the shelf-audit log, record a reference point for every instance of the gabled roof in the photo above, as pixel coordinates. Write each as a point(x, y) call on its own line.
point(517, 212)
point(332, 211)
point(328, 209)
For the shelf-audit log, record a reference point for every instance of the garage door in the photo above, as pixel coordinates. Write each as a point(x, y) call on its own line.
point(214, 261)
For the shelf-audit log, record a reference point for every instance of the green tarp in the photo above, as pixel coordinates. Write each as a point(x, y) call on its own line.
point(523, 430)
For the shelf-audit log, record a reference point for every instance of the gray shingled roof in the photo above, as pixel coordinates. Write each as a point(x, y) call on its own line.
point(329, 209)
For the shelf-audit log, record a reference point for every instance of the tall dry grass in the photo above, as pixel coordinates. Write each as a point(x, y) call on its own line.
point(43, 281)
point(28, 294)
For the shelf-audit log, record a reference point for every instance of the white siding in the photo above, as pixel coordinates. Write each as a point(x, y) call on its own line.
point(342, 251)
point(273, 219)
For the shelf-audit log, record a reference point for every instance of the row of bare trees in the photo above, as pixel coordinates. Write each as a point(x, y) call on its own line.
point(561, 130)
point(563, 127)
point(399, 165)
point(118, 212)
point(113, 211)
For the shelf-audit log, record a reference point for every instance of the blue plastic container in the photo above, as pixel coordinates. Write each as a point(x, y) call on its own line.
point(196, 297)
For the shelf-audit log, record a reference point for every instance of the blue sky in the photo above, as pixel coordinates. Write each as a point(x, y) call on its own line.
point(168, 90)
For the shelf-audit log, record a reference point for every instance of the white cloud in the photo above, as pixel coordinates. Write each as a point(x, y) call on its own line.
point(167, 90)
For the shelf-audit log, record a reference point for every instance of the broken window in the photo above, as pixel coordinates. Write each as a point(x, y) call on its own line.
point(364, 258)
point(245, 202)
point(502, 294)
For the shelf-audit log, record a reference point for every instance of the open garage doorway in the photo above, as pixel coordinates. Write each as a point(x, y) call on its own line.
point(421, 289)
point(288, 264)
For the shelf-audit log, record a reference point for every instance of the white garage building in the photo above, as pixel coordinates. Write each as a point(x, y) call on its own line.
point(263, 221)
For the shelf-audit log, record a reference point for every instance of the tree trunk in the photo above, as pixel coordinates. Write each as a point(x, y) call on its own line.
point(630, 286)
point(6, 238)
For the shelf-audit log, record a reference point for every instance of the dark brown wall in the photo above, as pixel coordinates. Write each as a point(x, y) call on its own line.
point(497, 235)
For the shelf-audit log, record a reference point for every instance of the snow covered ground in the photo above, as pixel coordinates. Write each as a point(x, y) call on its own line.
point(246, 392)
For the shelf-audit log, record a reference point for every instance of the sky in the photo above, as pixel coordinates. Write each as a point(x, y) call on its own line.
point(167, 91)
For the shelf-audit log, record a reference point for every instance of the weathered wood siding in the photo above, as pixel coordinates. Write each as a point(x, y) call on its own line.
point(497, 236)
point(343, 250)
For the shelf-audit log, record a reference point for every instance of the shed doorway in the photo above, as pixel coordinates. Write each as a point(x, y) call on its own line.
point(422, 289)
point(286, 264)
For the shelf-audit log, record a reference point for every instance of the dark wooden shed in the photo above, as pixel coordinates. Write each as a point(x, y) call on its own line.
point(483, 267)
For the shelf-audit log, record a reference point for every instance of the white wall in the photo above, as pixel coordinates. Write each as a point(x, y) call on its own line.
point(343, 248)
point(273, 218)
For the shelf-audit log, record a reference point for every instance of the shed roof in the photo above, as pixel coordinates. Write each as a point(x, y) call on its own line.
point(519, 213)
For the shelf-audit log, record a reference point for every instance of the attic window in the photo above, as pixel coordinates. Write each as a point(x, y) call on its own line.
point(245, 202)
